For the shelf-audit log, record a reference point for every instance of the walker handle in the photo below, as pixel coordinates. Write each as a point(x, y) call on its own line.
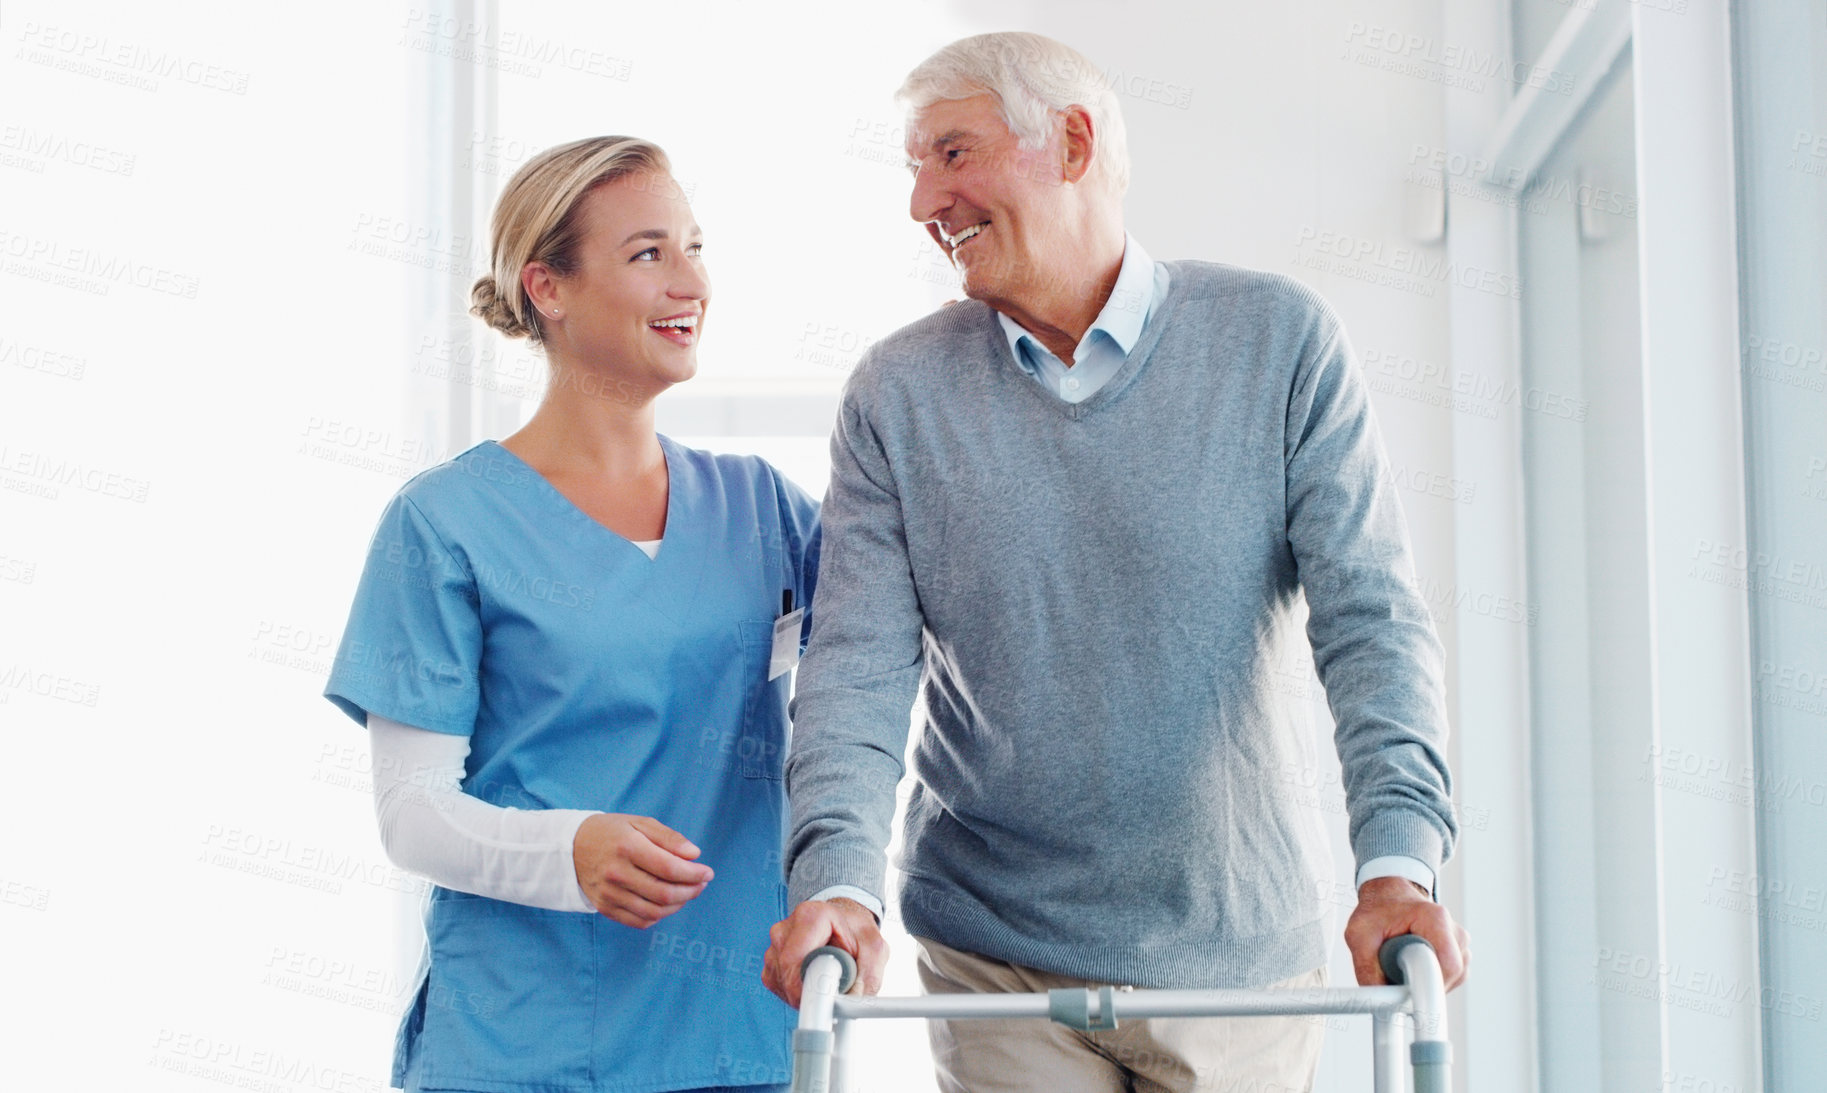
point(846, 965)
point(1389, 956)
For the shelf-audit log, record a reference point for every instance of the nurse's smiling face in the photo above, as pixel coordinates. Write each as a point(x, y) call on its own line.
point(634, 308)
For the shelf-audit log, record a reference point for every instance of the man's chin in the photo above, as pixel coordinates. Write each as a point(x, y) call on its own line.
point(983, 291)
point(978, 286)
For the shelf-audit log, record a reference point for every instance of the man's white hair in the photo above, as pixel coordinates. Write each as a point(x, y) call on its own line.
point(1032, 77)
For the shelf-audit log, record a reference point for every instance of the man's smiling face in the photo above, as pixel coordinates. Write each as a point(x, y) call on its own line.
point(994, 207)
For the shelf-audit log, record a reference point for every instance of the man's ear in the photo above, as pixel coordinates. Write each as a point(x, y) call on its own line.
point(1080, 140)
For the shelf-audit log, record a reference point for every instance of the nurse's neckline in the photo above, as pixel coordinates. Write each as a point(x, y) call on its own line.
point(577, 511)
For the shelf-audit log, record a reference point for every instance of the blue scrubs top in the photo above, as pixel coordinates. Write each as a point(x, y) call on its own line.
point(589, 676)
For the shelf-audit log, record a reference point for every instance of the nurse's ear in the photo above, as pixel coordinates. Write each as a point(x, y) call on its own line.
point(542, 289)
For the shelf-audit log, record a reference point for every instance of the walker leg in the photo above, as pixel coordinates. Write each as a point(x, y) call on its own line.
point(1388, 1043)
point(840, 1055)
point(825, 976)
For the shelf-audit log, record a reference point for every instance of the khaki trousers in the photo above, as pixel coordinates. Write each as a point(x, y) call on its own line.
point(1183, 1054)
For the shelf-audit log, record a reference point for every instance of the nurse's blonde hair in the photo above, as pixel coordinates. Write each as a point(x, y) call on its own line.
point(539, 218)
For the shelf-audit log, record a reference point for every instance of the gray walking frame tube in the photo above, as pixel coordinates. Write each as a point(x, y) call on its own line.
point(1417, 1003)
point(817, 1058)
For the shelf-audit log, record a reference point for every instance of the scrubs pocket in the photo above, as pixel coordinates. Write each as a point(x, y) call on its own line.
point(509, 1000)
point(761, 749)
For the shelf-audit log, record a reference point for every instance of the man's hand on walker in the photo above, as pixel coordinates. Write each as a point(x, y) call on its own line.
point(841, 922)
point(1390, 907)
point(635, 869)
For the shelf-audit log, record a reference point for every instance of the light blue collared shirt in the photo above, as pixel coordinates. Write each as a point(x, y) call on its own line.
point(1140, 287)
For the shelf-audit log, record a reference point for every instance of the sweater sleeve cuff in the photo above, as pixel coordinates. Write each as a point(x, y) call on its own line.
point(826, 867)
point(1399, 832)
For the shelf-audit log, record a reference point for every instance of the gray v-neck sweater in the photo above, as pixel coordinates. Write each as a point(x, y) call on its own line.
point(1097, 607)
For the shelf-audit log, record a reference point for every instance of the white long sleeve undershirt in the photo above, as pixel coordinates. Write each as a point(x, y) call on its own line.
point(431, 827)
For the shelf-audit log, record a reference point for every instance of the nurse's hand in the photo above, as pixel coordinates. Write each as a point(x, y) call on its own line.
point(841, 922)
point(635, 869)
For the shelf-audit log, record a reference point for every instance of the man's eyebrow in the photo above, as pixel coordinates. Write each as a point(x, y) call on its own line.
point(950, 136)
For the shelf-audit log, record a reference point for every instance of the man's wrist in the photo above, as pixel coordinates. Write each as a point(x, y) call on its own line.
point(1392, 888)
point(856, 895)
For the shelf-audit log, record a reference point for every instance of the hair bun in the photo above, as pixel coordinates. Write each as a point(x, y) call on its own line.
point(486, 303)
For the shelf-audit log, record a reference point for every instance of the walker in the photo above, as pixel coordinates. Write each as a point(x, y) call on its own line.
point(1411, 1013)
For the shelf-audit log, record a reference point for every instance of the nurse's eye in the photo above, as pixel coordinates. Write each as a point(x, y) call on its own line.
point(651, 254)
point(696, 250)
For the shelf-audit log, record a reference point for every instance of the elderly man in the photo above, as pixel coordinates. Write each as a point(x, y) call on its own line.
point(1076, 514)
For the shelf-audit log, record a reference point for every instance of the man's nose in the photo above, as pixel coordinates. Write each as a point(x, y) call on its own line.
point(929, 197)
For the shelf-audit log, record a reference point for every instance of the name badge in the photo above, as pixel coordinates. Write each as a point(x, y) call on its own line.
point(786, 643)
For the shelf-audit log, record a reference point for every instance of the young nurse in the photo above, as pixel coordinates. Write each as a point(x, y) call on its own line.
point(569, 649)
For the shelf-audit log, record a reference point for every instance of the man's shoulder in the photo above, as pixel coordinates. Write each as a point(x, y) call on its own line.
point(1266, 296)
point(956, 337)
point(954, 328)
